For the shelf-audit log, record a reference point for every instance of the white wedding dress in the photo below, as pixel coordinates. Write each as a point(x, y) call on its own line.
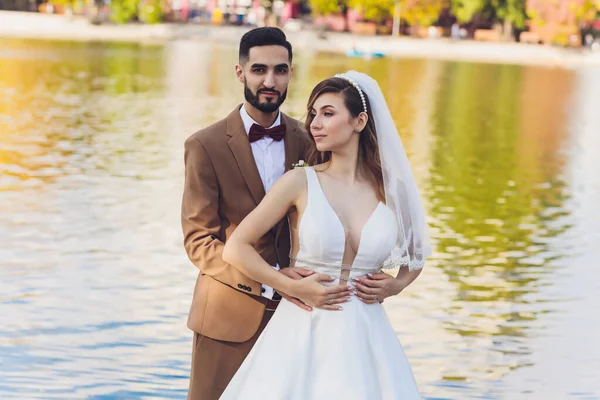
point(352, 354)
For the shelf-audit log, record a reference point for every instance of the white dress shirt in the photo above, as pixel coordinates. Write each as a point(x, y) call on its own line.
point(269, 156)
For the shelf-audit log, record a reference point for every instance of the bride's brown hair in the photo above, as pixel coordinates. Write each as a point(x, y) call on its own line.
point(368, 149)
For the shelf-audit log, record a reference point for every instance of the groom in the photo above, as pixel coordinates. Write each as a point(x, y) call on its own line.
point(228, 168)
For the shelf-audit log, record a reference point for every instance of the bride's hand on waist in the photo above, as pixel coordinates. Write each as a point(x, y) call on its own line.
point(313, 293)
point(374, 288)
point(295, 273)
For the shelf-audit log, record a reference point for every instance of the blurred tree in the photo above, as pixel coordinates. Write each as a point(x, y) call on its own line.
point(465, 10)
point(325, 7)
point(148, 11)
point(374, 10)
point(123, 11)
point(422, 12)
point(507, 15)
point(151, 11)
point(558, 21)
point(586, 10)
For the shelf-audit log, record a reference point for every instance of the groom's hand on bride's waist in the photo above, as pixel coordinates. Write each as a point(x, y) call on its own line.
point(296, 273)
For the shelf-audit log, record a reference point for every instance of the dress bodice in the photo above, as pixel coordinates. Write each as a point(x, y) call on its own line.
point(322, 238)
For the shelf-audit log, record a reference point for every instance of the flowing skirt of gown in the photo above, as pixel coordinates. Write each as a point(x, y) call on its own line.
point(353, 354)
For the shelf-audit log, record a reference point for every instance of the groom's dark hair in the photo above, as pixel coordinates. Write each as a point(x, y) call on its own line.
point(265, 36)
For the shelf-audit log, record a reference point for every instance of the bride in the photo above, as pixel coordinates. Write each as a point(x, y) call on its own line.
point(354, 212)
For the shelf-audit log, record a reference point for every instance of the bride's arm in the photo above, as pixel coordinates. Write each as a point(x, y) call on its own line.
point(239, 250)
point(405, 277)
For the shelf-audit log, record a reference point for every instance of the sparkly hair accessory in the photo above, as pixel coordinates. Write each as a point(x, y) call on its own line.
point(360, 92)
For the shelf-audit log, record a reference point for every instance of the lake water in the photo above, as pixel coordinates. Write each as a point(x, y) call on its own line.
point(95, 284)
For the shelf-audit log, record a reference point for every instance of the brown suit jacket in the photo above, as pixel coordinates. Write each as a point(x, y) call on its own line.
point(222, 186)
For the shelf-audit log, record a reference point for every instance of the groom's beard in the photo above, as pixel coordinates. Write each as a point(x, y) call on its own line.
point(267, 107)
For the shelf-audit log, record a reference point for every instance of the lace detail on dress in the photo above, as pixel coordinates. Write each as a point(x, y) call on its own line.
point(398, 262)
point(401, 258)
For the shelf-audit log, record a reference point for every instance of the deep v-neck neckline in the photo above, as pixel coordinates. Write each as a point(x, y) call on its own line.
point(337, 217)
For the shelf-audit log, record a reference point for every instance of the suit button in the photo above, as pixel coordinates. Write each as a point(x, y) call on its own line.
point(263, 290)
point(240, 286)
point(249, 289)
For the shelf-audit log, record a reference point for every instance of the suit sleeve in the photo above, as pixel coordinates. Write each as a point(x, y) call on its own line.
point(200, 211)
point(201, 223)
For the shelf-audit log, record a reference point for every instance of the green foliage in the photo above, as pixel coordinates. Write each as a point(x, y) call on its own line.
point(512, 11)
point(423, 12)
point(585, 10)
point(123, 11)
point(325, 7)
point(464, 10)
point(506, 11)
point(151, 11)
point(374, 10)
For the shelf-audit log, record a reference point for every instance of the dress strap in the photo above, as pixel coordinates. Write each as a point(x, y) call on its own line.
point(311, 175)
point(312, 182)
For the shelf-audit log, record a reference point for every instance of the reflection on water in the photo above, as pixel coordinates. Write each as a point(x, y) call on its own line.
point(94, 282)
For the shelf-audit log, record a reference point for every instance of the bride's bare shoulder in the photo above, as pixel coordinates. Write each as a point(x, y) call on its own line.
point(320, 167)
point(295, 177)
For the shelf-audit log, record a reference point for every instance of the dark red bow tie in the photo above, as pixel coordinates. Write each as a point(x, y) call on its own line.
point(258, 132)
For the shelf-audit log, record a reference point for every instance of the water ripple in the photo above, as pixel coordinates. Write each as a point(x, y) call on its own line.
point(94, 283)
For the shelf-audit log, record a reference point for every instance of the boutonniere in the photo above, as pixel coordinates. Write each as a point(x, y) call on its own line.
point(299, 164)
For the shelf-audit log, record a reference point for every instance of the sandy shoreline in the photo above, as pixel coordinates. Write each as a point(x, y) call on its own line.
point(33, 25)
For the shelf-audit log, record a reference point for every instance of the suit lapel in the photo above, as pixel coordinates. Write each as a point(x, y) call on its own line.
point(242, 152)
point(291, 143)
